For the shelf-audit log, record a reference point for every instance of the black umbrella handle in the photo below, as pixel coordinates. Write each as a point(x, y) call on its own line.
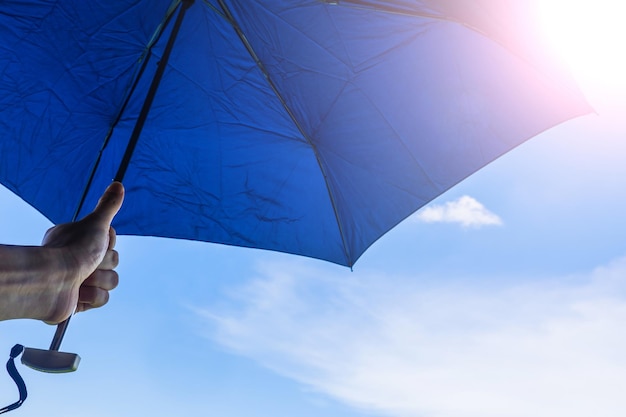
point(52, 361)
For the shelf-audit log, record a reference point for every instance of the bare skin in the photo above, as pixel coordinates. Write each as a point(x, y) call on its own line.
point(74, 267)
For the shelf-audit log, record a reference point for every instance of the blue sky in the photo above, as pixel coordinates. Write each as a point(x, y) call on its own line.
point(505, 297)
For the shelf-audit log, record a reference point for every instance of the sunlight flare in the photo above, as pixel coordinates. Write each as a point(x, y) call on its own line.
point(589, 37)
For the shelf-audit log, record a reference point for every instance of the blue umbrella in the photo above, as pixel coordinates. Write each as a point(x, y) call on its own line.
point(304, 126)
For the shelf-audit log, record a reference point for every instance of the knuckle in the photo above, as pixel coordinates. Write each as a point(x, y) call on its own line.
point(102, 298)
point(115, 258)
point(93, 297)
point(114, 280)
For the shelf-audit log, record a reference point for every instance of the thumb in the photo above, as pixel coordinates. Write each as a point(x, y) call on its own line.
point(110, 202)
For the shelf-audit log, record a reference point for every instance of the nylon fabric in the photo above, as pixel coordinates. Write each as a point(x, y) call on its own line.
point(368, 116)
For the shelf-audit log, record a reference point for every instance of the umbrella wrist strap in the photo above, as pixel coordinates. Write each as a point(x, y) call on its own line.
point(17, 378)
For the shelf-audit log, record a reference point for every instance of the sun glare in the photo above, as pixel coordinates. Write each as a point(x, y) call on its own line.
point(590, 36)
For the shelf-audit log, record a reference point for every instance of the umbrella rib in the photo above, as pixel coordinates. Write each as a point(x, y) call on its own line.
point(229, 16)
point(360, 4)
point(215, 9)
point(390, 9)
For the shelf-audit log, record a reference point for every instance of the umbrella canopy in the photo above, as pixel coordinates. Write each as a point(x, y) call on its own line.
point(303, 126)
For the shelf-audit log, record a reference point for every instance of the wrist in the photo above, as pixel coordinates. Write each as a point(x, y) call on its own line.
point(33, 280)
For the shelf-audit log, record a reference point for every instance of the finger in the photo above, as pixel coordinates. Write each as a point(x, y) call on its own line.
point(93, 296)
point(110, 261)
point(107, 280)
point(82, 307)
point(110, 202)
point(112, 238)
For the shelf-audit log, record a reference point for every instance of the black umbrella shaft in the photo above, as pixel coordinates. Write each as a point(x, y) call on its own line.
point(141, 120)
point(147, 104)
point(59, 333)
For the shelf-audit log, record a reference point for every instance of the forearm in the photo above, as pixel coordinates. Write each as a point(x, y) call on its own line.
point(30, 279)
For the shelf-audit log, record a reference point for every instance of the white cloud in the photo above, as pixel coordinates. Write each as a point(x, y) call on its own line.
point(386, 345)
point(465, 210)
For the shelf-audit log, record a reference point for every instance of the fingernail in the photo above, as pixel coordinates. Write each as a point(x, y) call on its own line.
point(115, 187)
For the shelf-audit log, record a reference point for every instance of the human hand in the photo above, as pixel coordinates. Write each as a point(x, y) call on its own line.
point(87, 257)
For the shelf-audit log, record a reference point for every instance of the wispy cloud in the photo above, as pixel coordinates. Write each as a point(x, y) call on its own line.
point(465, 210)
point(386, 345)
